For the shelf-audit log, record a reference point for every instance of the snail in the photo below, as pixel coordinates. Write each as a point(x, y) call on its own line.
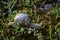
point(23, 20)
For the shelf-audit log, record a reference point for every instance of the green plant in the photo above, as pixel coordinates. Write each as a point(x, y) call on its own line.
point(55, 11)
point(58, 33)
point(50, 32)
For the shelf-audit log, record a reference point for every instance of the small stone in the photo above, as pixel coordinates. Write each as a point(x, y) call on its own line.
point(48, 13)
point(47, 6)
point(58, 1)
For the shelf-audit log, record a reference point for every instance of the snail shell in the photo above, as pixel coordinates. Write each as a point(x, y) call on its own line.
point(22, 19)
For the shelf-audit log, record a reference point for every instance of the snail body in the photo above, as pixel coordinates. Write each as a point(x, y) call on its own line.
point(24, 20)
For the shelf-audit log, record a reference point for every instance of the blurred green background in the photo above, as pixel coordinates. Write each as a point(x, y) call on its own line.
point(46, 12)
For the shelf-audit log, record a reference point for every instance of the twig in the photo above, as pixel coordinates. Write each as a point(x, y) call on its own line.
point(4, 2)
point(43, 3)
point(14, 4)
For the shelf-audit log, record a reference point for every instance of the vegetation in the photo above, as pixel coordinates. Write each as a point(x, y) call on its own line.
point(49, 16)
